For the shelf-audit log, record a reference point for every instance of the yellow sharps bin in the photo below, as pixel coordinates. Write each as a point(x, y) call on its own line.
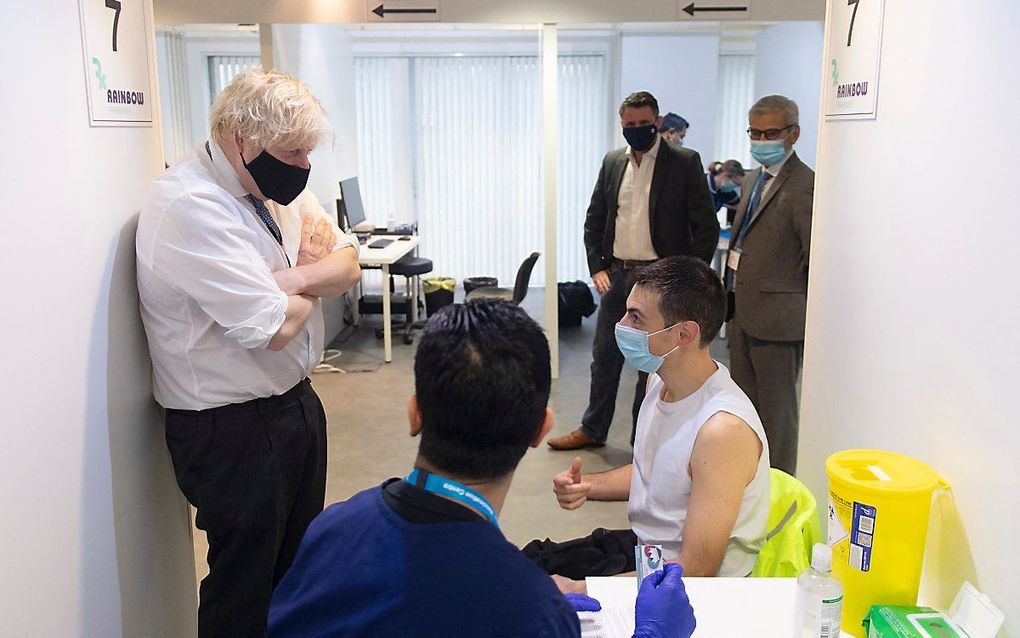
point(879, 505)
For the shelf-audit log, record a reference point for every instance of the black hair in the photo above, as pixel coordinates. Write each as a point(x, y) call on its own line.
point(689, 290)
point(638, 100)
point(482, 378)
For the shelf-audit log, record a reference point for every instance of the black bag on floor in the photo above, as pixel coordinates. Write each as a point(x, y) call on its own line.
point(575, 301)
point(604, 552)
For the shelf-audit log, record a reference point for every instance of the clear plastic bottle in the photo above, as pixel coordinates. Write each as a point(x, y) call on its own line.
point(819, 597)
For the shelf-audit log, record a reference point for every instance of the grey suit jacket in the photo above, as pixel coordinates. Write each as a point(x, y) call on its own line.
point(681, 213)
point(771, 283)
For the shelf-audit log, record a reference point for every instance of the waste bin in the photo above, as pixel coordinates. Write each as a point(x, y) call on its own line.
point(438, 293)
point(879, 507)
point(479, 282)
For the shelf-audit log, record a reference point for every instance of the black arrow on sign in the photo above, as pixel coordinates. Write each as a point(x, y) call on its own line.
point(381, 11)
point(691, 9)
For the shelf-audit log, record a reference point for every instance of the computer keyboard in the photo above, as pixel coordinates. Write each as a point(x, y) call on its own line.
point(380, 243)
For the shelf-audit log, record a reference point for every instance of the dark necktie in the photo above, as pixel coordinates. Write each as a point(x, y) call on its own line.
point(263, 212)
point(752, 206)
point(260, 209)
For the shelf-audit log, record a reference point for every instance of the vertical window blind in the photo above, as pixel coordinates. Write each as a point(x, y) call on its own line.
point(735, 97)
point(455, 143)
point(223, 68)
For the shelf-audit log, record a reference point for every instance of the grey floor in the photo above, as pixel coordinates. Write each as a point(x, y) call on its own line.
point(366, 409)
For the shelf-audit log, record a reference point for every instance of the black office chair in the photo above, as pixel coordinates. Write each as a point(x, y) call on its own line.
point(520, 289)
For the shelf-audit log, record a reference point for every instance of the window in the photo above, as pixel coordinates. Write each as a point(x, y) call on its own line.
point(223, 69)
point(735, 97)
point(456, 144)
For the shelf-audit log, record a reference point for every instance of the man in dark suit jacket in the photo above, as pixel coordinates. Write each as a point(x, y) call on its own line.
point(650, 201)
point(767, 272)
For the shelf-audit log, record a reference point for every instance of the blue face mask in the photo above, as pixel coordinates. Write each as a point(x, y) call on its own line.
point(633, 343)
point(728, 187)
point(768, 152)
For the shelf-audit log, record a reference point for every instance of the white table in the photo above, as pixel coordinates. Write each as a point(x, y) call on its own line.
point(384, 257)
point(723, 607)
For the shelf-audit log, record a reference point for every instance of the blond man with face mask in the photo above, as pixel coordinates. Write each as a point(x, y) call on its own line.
point(233, 255)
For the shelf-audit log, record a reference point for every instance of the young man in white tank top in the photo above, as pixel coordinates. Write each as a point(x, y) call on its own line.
point(699, 482)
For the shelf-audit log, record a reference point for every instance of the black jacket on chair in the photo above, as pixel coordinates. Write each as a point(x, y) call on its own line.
point(681, 212)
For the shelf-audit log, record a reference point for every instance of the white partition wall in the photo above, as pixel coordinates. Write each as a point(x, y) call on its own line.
point(912, 341)
point(94, 534)
point(789, 62)
point(681, 71)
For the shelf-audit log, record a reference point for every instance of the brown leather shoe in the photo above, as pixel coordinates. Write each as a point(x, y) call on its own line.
point(576, 440)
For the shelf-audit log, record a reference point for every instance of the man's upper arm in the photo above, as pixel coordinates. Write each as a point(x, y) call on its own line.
point(802, 215)
point(595, 222)
point(724, 461)
point(701, 211)
point(201, 250)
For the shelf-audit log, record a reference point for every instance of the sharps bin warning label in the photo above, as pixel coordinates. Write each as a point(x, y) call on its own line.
point(862, 533)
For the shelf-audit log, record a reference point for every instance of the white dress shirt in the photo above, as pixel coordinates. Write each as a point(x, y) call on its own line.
point(633, 239)
point(209, 302)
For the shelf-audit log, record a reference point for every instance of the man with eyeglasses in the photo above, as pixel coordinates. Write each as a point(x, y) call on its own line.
point(766, 275)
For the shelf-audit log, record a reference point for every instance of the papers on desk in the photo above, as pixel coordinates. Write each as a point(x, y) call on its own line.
point(724, 607)
point(611, 622)
point(616, 620)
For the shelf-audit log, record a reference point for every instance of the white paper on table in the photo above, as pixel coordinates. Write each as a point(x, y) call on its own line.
point(610, 622)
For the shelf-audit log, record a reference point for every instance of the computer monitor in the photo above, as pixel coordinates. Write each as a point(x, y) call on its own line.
point(352, 210)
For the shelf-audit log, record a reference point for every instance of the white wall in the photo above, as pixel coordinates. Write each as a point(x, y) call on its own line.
point(321, 56)
point(789, 62)
point(681, 71)
point(95, 534)
point(912, 341)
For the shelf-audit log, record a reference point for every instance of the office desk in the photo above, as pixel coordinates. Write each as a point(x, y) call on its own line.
point(723, 607)
point(384, 257)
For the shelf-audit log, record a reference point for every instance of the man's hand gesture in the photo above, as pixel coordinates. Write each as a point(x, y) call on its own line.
point(571, 491)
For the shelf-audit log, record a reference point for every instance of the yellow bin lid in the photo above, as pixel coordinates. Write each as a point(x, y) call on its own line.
point(882, 473)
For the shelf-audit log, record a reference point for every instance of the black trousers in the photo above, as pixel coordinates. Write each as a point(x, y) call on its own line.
point(607, 360)
point(256, 474)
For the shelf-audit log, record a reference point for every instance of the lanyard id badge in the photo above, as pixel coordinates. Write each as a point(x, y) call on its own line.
point(453, 490)
point(733, 259)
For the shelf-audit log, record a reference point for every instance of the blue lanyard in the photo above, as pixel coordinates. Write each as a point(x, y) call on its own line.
point(453, 490)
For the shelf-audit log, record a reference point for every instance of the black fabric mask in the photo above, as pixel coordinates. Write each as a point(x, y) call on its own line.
point(640, 138)
point(278, 180)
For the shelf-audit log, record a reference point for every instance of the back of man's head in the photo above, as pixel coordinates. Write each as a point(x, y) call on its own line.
point(689, 290)
point(482, 380)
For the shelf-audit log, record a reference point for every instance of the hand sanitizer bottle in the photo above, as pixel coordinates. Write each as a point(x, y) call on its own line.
point(819, 597)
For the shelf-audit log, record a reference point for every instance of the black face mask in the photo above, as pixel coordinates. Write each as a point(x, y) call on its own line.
point(640, 138)
point(278, 180)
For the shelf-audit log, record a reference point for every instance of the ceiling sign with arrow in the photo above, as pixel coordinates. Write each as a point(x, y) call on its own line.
point(403, 10)
point(715, 10)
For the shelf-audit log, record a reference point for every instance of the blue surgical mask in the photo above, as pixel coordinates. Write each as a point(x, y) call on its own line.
point(728, 187)
point(768, 152)
point(633, 343)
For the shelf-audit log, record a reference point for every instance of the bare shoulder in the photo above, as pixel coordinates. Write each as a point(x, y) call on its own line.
point(726, 439)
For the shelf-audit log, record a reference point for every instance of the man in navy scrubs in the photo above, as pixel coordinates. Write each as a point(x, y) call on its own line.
point(424, 555)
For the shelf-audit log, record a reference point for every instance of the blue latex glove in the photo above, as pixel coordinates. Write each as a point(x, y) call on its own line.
point(582, 602)
point(662, 609)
